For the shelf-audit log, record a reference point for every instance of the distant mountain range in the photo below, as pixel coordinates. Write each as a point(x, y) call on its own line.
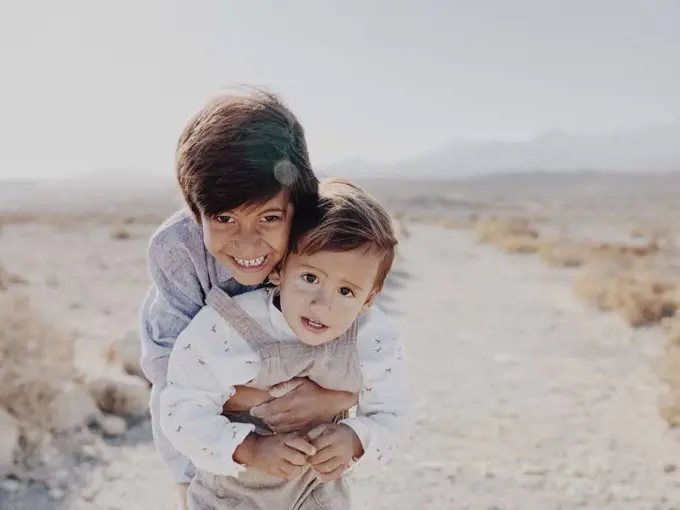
point(650, 149)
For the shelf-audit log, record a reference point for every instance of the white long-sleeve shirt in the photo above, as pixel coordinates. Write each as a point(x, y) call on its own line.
point(202, 374)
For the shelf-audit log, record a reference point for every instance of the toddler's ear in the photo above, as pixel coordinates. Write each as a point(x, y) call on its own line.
point(369, 302)
point(275, 277)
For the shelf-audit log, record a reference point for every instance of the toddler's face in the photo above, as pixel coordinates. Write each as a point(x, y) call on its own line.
point(250, 240)
point(321, 294)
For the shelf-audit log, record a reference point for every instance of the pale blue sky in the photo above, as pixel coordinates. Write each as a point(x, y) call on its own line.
point(92, 84)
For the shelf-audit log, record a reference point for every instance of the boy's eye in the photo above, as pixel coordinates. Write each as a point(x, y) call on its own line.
point(271, 218)
point(224, 218)
point(346, 291)
point(309, 278)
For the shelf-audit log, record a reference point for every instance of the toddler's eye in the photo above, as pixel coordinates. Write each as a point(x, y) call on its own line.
point(224, 218)
point(309, 278)
point(345, 291)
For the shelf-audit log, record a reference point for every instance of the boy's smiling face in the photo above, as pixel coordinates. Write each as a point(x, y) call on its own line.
point(322, 293)
point(250, 240)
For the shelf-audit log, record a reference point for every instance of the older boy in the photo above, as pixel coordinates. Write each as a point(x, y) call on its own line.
point(243, 168)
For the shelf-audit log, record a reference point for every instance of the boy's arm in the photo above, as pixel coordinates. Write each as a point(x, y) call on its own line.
point(174, 298)
point(382, 419)
point(191, 403)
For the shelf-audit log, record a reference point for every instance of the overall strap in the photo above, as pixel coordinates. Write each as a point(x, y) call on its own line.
point(237, 318)
point(350, 336)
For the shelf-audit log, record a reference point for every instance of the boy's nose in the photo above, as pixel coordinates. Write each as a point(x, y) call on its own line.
point(247, 243)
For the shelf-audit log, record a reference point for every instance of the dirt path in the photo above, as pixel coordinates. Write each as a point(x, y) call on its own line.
point(524, 398)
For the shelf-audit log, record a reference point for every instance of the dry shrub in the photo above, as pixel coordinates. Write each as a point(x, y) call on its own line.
point(669, 407)
point(625, 250)
point(649, 230)
point(632, 286)
point(451, 224)
point(669, 369)
point(564, 253)
point(513, 235)
point(518, 244)
point(7, 278)
point(669, 372)
point(120, 233)
point(4, 277)
point(37, 362)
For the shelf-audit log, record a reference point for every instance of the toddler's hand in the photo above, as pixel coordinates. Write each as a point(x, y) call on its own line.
point(336, 446)
point(280, 455)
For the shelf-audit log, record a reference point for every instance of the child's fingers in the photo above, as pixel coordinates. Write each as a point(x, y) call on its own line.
point(273, 420)
point(333, 475)
point(323, 441)
point(284, 388)
point(294, 457)
point(281, 473)
point(329, 465)
point(296, 443)
point(272, 408)
point(317, 431)
point(323, 455)
point(291, 470)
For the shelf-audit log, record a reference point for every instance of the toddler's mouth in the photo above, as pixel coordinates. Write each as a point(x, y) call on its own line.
point(313, 325)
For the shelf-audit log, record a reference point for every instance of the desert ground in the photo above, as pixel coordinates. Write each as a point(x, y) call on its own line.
point(536, 312)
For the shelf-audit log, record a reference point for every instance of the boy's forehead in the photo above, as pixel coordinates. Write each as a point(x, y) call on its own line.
point(279, 201)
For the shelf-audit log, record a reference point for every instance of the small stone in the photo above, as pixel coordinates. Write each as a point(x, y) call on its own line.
point(623, 493)
point(432, 465)
point(599, 466)
point(112, 473)
point(112, 426)
point(532, 482)
point(11, 486)
point(126, 352)
point(61, 474)
point(121, 394)
point(578, 492)
point(89, 452)
point(670, 468)
point(56, 494)
point(91, 492)
point(574, 472)
point(9, 441)
point(534, 470)
point(73, 407)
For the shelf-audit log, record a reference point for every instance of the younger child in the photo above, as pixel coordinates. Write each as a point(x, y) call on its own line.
point(318, 323)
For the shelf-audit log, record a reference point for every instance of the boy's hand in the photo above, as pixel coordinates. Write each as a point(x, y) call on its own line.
point(245, 399)
point(337, 445)
point(280, 455)
point(300, 404)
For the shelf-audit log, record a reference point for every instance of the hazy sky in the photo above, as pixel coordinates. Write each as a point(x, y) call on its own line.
point(87, 85)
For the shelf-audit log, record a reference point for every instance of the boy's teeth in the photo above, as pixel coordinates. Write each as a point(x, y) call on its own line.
point(315, 324)
point(251, 262)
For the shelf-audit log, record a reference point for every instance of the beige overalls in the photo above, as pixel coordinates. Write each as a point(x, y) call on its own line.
point(334, 365)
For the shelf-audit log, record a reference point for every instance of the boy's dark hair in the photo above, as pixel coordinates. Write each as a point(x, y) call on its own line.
point(347, 219)
point(244, 150)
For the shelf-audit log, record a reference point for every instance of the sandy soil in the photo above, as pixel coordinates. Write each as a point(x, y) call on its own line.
point(524, 397)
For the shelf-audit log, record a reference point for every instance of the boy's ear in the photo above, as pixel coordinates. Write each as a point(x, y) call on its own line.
point(369, 302)
point(275, 276)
